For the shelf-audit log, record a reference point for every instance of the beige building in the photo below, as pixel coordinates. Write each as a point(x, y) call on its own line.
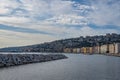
point(107, 48)
point(87, 49)
point(112, 48)
point(74, 50)
point(91, 49)
point(68, 50)
point(117, 48)
point(97, 49)
point(83, 50)
point(104, 49)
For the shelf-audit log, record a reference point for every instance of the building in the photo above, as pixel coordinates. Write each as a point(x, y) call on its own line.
point(97, 49)
point(84, 50)
point(81, 50)
point(78, 50)
point(91, 50)
point(74, 50)
point(117, 48)
point(112, 48)
point(87, 49)
point(68, 50)
point(104, 49)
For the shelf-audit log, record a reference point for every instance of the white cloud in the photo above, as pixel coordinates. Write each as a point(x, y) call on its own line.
point(6, 6)
point(52, 12)
point(13, 20)
point(3, 11)
point(68, 20)
point(107, 12)
point(62, 12)
point(40, 10)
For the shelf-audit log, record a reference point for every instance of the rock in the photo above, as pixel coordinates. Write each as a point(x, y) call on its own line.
point(7, 60)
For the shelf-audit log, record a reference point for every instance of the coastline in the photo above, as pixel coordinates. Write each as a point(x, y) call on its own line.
point(106, 54)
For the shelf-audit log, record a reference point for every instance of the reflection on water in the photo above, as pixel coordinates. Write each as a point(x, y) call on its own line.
point(76, 67)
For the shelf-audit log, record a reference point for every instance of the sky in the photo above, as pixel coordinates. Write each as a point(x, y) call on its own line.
point(27, 22)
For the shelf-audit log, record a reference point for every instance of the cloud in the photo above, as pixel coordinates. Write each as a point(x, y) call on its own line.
point(6, 6)
point(13, 20)
point(102, 12)
point(67, 20)
point(42, 11)
point(106, 12)
point(43, 15)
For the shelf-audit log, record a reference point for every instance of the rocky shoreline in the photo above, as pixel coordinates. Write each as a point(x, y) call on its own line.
point(7, 60)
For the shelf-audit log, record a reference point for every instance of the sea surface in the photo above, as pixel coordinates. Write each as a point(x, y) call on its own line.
point(76, 67)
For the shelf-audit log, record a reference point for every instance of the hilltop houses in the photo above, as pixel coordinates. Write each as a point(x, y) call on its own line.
point(113, 48)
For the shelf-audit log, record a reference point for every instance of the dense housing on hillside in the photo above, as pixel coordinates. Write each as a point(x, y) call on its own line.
point(100, 49)
point(60, 45)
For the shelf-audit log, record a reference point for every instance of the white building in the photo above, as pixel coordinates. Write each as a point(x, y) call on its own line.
point(78, 50)
point(117, 48)
point(104, 49)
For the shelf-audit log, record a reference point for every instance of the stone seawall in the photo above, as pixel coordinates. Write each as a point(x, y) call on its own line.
point(7, 60)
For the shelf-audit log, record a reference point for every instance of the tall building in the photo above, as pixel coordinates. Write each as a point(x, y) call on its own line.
point(117, 48)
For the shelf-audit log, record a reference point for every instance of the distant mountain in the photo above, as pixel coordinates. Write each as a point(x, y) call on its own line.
point(59, 45)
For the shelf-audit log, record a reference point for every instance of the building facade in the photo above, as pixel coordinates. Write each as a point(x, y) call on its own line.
point(117, 48)
point(112, 48)
point(103, 49)
point(106, 48)
point(68, 50)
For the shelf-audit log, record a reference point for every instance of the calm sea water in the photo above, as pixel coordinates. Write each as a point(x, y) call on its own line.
point(76, 67)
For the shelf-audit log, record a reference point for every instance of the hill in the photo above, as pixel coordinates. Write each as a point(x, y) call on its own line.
point(59, 45)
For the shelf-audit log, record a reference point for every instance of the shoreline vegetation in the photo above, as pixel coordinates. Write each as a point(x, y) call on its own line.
point(7, 60)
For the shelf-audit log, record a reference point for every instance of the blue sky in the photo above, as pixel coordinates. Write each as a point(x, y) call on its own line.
point(26, 22)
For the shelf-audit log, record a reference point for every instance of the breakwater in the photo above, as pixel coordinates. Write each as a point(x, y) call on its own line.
point(7, 60)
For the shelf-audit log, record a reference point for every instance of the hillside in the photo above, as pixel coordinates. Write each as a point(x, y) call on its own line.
point(59, 45)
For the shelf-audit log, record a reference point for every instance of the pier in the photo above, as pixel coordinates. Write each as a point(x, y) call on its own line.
point(7, 60)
